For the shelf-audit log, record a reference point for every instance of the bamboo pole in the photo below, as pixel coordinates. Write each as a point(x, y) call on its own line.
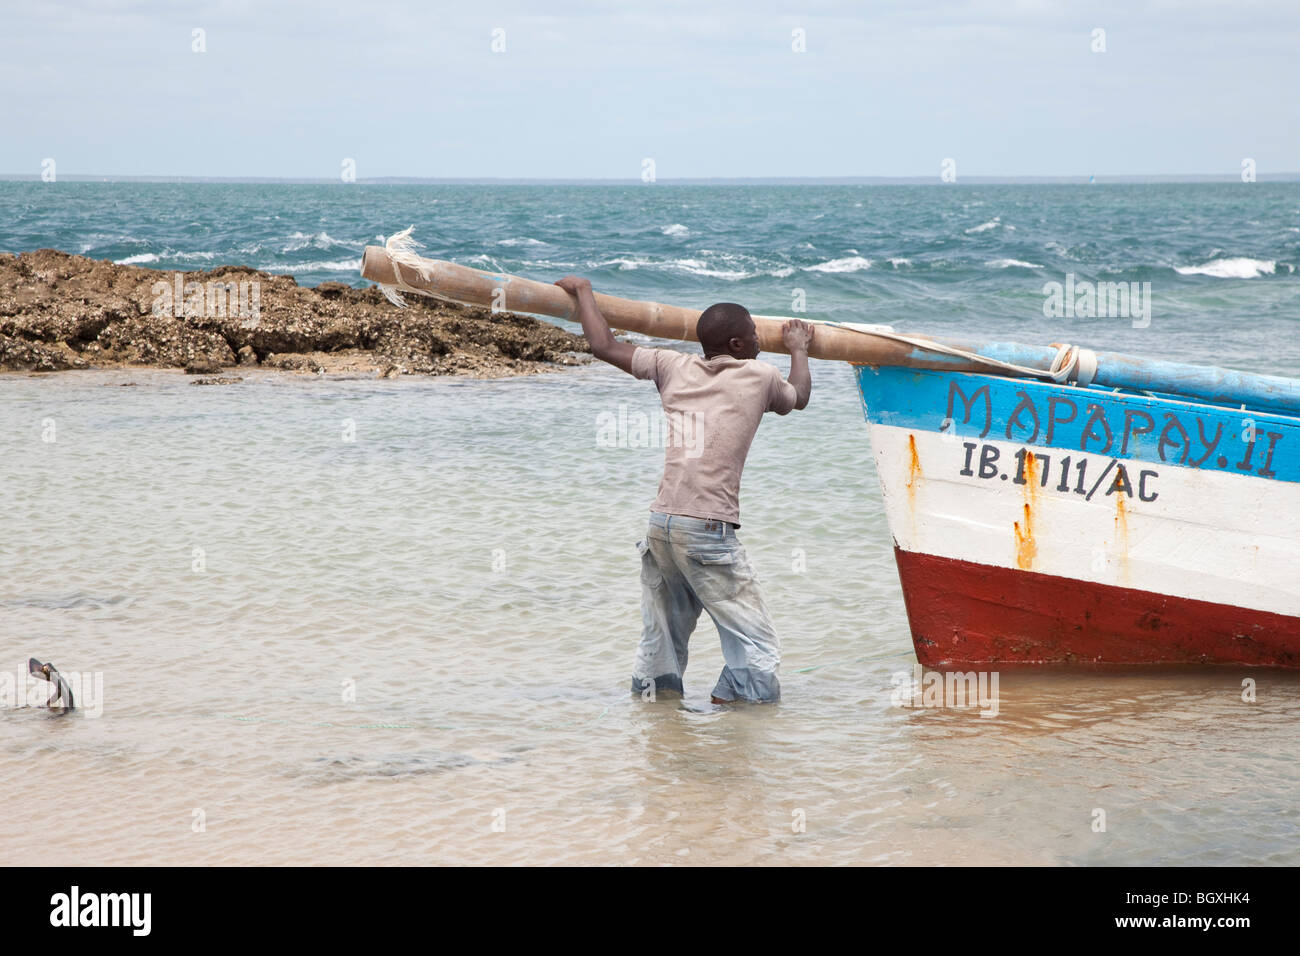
point(448, 280)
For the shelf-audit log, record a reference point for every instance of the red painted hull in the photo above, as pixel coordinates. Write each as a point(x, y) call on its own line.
point(962, 613)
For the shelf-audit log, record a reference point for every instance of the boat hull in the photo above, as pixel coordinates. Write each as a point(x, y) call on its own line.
point(1043, 523)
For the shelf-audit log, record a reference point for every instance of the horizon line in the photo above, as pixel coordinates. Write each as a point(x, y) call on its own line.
point(1054, 179)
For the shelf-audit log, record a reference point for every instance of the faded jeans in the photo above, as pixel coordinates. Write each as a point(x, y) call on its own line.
point(689, 565)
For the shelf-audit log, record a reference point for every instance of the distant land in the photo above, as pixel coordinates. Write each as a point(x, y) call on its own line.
point(664, 181)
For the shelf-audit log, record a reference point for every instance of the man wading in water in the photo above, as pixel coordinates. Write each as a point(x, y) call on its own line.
point(691, 559)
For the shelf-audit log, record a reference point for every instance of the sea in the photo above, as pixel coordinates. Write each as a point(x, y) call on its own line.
point(357, 621)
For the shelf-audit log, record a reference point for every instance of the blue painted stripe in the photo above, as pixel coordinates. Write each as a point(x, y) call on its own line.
point(1093, 420)
point(1197, 383)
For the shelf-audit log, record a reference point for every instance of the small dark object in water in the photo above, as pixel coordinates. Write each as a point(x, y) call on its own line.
point(61, 698)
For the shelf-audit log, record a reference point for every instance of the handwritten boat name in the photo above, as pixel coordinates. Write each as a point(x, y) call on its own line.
point(1181, 438)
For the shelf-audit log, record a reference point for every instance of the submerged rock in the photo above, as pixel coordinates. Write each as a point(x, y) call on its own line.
point(60, 311)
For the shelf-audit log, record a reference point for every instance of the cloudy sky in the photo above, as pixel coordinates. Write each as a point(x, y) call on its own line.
point(590, 90)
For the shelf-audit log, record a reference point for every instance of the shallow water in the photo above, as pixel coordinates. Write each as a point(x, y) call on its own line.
point(467, 563)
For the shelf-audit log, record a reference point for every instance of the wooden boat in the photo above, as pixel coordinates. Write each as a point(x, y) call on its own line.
point(1047, 504)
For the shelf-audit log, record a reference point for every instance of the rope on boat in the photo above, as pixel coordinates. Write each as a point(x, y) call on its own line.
point(1071, 363)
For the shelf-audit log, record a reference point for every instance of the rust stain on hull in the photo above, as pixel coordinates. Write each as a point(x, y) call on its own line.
point(1026, 547)
point(913, 471)
point(1032, 478)
point(1121, 537)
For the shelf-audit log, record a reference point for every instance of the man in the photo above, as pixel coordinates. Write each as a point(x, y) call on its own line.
point(691, 559)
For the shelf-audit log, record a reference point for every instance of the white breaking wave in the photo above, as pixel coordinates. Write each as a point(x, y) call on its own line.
point(319, 240)
point(848, 264)
point(694, 266)
point(142, 257)
point(1239, 267)
point(522, 241)
point(1012, 264)
point(343, 265)
point(985, 227)
point(699, 268)
point(626, 265)
point(676, 229)
point(900, 261)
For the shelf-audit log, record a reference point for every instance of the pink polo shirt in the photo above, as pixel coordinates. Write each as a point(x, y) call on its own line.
point(713, 407)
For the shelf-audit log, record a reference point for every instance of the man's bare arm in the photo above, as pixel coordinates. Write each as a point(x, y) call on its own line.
point(798, 336)
point(603, 344)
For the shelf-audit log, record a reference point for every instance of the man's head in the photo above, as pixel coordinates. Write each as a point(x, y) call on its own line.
point(727, 329)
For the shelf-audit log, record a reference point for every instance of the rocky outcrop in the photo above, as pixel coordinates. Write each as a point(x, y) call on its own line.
point(60, 311)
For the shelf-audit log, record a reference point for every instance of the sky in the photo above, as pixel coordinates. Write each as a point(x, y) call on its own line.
point(1008, 88)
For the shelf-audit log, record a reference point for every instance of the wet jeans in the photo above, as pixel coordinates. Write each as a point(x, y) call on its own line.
point(689, 565)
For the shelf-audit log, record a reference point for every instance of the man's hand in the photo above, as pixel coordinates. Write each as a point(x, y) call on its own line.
point(574, 285)
point(603, 344)
point(797, 335)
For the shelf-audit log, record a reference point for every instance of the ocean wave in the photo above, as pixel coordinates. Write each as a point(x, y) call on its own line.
point(985, 227)
point(522, 241)
point(1012, 264)
point(342, 265)
point(898, 261)
point(97, 239)
point(676, 229)
point(140, 258)
point(1239, 267)
point(320, 240)
point(847, 264)
point(695, 267)
point(625, 265)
